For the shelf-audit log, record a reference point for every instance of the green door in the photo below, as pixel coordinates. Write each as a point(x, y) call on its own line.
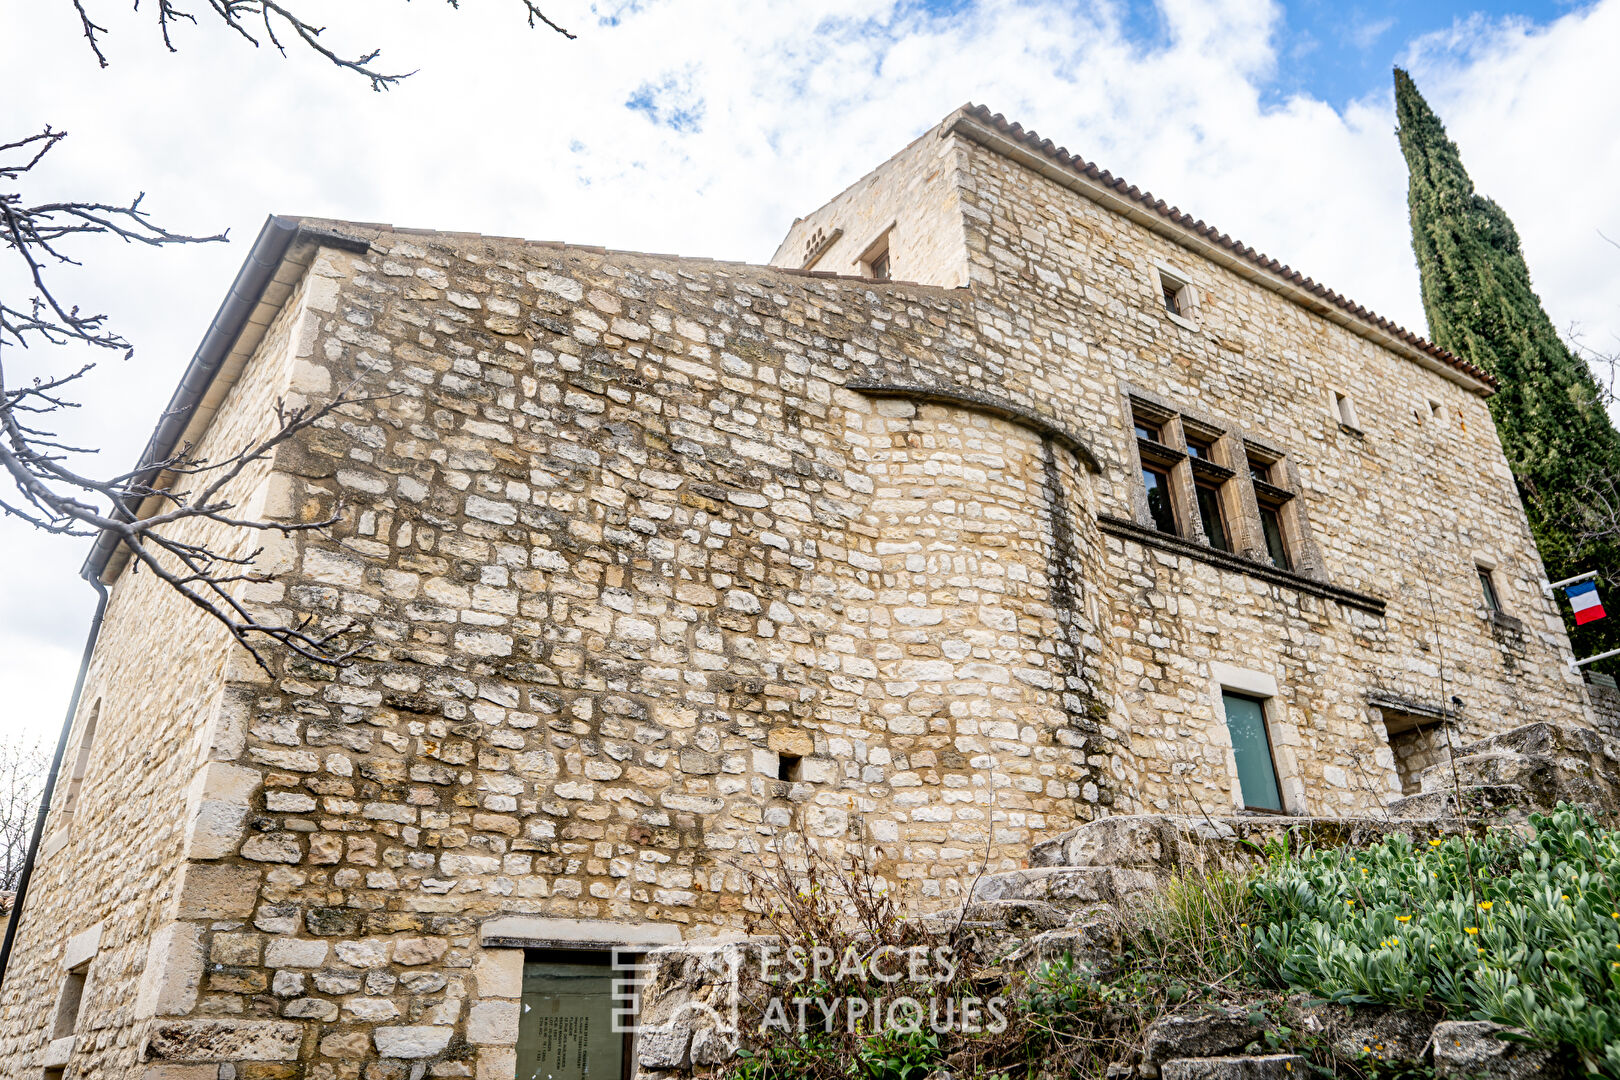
point(566, 1029)
point(1257, 776)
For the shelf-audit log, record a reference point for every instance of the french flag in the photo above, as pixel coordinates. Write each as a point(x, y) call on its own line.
point(1584, 599)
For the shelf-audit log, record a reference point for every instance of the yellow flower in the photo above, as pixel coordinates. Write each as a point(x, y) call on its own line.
point(1470, 929)
point(1436, 843)
point(1484, 905)
point(1403, 918)
point(1482, 952)
point(1350, 903)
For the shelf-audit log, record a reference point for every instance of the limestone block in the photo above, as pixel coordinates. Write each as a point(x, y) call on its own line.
point(346, 1044)
point(493, 1023)
point(1262, 1067)
point(57, 1052)
point(209, 891)
point(81, 947)
point(173, 971)
point(1197, 1036)
point(218, 807)
point(412, 1042)
point(496, 1063)
point(413, 951)
point(500, 973)
point(223, 1040)
point(795, 741)
point(1475, 1050)
point(284, 952)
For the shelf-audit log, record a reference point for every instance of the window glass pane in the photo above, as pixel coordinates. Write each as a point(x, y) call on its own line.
point(1488, 587)
point(1198, 448)
point(1272, 527)
point(1209, 512)
point(1260, 471)
point(880, 267)
point(1172, 300)
point(1257, 776)
point(565, 1031)
point(1158, 497)
point(1147, 431)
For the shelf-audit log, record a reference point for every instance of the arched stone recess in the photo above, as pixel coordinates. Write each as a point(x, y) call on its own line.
point(965, 635)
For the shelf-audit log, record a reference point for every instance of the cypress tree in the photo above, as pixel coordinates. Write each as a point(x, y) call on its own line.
point(1480, 305)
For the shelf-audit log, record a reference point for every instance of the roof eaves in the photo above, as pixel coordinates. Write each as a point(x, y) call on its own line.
point(262, 286)
point(998, 133)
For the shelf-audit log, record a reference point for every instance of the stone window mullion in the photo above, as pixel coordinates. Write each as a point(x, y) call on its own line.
point(1243, 506)
point(1182, 491)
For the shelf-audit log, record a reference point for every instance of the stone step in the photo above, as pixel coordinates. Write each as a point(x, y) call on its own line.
point(1162, 844)
point(1065, 886)
point(1258, 1067)
point(1003, 916)
point(1489, 799)
point(1545, 782)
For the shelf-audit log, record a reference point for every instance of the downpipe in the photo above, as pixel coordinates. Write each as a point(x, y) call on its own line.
point(50, 782)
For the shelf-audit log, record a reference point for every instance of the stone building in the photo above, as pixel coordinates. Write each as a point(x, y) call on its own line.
point(1005, 498)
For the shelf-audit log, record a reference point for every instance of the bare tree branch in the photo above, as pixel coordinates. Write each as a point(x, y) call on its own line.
point(258, 21)
point(183, 491)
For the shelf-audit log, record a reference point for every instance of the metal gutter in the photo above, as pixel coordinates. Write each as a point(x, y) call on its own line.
point(275, 240)
point(27, 874)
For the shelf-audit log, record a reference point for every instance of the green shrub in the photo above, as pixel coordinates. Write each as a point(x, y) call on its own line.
point(1519, 929)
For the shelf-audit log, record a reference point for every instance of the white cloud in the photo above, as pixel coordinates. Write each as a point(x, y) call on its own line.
point(755, 111)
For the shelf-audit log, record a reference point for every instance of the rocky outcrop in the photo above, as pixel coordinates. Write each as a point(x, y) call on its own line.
point(1529, 768)
point(1476, 1050)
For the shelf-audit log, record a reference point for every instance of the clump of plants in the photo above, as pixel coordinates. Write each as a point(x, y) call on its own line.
point(1520, 927)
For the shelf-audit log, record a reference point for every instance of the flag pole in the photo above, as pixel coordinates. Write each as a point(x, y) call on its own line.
point(1547, 590)
point(1576, 665)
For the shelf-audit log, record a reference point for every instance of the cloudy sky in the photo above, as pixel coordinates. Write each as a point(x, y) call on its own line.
point(704, 127)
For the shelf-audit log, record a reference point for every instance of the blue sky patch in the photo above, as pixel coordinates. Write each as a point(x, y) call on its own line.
point(669, 103)
point(1341, 50)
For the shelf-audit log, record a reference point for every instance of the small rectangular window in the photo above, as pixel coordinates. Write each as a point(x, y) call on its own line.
point(874, 260)
point(67, 1005)
point(1157, 482)
point(1487, 586)
point(1147, 431)
point(1209, 513)
point(1251, 746)
point(789, 768)
point(1200, 447)
point(1180, 299)
point(1259, 470)
point(1271, 526)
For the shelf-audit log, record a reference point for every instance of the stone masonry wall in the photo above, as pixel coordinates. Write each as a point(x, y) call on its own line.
point(622, 541)
point(1402, 509)
point(912, 197)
